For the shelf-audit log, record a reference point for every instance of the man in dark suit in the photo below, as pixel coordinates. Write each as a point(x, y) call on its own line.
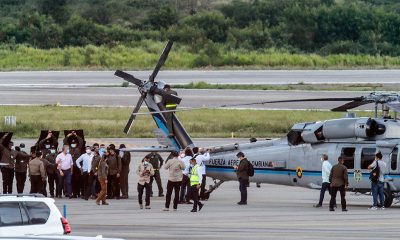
point(339, 182)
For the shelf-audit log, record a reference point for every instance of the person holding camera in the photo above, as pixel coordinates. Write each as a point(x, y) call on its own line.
point(145, 170)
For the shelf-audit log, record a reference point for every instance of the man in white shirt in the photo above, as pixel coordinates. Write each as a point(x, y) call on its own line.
point(84, 163)
point(326, 171)
point(202, 156)
point(64, 166)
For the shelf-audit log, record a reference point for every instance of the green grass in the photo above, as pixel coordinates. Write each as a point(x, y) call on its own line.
point(144, 55)
point(298, 86)
point(109, 122)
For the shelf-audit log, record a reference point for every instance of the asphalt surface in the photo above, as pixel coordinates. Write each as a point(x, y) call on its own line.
point(118, 96)
point(85, 78)
point(273, 212)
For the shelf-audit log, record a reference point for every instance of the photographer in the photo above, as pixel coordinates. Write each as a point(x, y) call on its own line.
point(145, 170)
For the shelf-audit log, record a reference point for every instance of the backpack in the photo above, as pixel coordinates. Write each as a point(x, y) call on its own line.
point(250, 169)
point(375, 173)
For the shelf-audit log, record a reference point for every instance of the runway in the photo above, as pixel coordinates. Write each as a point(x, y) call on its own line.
point(118, 96)
point(273, 212)
point(96, 78)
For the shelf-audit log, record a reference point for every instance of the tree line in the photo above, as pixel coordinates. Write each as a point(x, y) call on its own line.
point(310, 26)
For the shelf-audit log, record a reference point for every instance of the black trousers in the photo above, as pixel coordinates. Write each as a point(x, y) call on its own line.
point(113, 187)
point(184, 195)
point(243, 190)
point(124, 182)
point(176, 187)
point(92, 181)
point(44, 188)
point(203, 186)
point(36, 184)
point(156, 177)
point(141, 189)
point(195, 196)
point(86, 185)
point(21, 179)
point(325, 186)
point(77, 182)
point(52, 179)
point(8, 177)
point(334, 191)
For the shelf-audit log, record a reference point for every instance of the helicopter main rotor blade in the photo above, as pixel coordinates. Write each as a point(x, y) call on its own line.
point(297, 100)
point(134, 113)
point(128, 77)
point(350, 105)
point(161, 61)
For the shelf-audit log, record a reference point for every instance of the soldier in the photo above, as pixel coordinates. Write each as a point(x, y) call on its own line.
point(114, 171)
point(102, 174)
point(156, 161)
point(8, 157)
point(144, 171)
point(170, 106)
point(46, 163)
point(37, 173)
point(93, 180)
point(125, 160)
point(46, 144)
point(51, 170)
point(76, 144)
point(21, 167)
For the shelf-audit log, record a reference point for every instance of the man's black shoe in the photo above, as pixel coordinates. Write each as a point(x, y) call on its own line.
point(200, 206)
point(344, 210)
point(242, 203)
point(193, 210)
point(317, 205)
point(331, 209)
point(161, 195)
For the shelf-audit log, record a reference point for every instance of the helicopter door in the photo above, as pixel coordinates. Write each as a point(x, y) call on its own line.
point(367, 157)
point(348, 153)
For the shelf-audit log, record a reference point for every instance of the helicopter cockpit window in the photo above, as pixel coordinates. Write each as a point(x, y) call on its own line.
point(367, 157)
point(394, 159)
point(348, 157)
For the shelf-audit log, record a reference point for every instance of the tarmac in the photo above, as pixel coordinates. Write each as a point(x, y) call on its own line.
point(273, 212)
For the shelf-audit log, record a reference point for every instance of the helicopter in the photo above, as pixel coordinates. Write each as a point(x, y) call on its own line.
point(293, 160)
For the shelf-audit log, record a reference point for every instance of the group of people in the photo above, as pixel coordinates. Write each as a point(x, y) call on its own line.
point(186, 178)
point(335, 179)
point(76, 171)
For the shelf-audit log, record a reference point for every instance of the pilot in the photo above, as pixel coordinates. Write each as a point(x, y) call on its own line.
point(75, 142)
point(170, 107)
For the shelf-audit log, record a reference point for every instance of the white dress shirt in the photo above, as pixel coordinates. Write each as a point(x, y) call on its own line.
point(200, 159)
point(65, 161)
point(326, 170)
point(186, 161)
point(86, 160)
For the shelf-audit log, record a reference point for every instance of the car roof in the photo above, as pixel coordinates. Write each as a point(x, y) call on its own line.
point(25, 197)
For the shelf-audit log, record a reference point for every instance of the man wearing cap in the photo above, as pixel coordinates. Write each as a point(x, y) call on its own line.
point(243, 177)
point(195, 177)
point(8, 156)
point(75, 143)
point(170, 107)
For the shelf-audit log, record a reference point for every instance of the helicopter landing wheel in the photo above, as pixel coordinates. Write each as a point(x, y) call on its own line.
point(388, 198)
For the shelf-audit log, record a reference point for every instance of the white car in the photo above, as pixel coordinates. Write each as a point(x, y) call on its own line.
point(30, 214)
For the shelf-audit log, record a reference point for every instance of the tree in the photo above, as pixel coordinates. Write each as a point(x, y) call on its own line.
point(55, 8)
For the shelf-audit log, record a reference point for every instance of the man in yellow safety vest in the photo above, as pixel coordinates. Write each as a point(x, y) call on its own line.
point(195, 184)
